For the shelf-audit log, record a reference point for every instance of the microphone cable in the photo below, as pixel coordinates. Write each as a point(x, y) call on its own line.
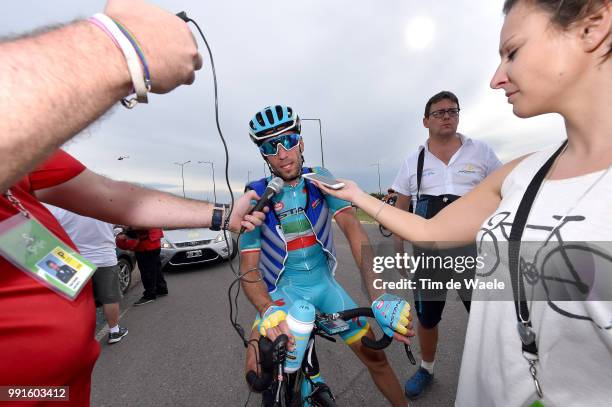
point(237, 277)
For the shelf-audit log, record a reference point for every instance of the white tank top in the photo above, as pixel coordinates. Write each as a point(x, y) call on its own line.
point(575, 353)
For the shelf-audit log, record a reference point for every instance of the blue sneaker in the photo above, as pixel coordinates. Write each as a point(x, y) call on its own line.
point(415, 386)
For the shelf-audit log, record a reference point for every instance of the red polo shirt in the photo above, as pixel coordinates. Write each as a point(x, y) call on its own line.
point(45, 339)
point(149, 240)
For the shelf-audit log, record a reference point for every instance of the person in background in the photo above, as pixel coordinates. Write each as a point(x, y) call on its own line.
point(149, 263)
point(519, 352)
point(95, 240)
point(447, 166)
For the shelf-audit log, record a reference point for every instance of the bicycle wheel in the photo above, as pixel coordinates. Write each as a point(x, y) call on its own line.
point(384, 231)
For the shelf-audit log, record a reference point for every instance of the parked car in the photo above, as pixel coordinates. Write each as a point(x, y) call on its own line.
point(191, 246)
point(126, 260)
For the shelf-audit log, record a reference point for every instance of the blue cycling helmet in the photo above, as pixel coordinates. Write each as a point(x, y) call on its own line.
point(272, 121)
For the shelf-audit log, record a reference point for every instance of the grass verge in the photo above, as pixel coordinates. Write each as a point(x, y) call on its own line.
point(364, 217)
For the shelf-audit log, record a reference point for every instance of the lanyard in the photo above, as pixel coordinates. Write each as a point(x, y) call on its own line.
point(524, 328)
point(16, 203)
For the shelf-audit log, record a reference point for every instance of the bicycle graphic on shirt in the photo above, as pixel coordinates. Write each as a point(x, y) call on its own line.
point(566, 272)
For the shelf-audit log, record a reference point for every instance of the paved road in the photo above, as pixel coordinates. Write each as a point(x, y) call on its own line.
point(182, 351)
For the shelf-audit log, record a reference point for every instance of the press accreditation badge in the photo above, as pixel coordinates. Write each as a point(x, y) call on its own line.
point(32, 248)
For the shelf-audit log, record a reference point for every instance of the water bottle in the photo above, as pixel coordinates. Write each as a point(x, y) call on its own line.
point(300, 319)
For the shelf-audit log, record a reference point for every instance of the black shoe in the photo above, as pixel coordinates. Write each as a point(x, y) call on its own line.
point(115, 337)
point(162, 293)
point(143, 301)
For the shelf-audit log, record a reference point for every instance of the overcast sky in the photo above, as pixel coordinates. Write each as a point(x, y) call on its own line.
point(364, 68)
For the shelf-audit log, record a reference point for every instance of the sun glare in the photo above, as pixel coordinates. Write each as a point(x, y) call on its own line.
point(420, 32)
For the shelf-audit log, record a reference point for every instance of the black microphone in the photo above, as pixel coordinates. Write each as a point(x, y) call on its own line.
point(273, 188)
point(183, 16)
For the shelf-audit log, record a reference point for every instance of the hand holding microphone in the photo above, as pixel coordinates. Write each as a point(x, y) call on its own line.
point(273, 188)
point(249, 217)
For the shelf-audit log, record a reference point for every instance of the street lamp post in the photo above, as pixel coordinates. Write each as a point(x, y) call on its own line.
point(377, 164)
point(248, 176)
point(321, 137)
point(183, 174)
point(212, 165)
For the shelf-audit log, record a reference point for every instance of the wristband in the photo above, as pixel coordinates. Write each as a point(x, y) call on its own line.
point(101, 26)
point(380, 208)
point(139, 52)
point(131, 58)
point(217, 218)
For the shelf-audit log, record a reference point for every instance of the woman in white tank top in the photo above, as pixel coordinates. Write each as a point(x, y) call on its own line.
point(555, 58)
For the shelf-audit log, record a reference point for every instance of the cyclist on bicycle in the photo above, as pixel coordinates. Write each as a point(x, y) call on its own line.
point(391, 197)
point(294, 253)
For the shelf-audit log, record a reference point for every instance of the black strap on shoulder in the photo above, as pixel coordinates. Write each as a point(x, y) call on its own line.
point(420, 164)
point(514, 242)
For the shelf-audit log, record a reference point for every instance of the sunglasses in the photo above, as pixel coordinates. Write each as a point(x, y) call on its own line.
point(288, 141)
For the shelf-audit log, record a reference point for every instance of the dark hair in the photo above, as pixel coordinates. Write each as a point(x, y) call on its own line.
point(438, 97)
point(563, 13)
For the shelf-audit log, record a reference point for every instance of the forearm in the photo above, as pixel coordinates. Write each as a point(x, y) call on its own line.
point(403, 203)
point(364, 257)
point(255, 288)
point(404, 224)
point(456, 224)
point(54, 84)
point(145, 208)
point(93, 195)
point(361, 248)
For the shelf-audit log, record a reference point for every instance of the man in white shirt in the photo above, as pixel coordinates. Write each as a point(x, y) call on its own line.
point(446, 167)
point(96, 242)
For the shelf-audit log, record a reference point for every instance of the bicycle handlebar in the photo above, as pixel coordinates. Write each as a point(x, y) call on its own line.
point(278, 348)
point(272, 354)
point(379, 344)
point(259, 383)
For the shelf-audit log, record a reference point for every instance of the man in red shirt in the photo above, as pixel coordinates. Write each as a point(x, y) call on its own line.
point(149, 264)
point(46, 339)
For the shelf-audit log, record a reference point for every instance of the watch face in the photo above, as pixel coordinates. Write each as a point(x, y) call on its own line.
point(217, 219)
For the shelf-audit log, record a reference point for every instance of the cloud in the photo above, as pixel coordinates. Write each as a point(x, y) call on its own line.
point(345, 62)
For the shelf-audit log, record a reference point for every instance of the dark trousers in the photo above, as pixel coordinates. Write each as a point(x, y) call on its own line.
point(149, 264)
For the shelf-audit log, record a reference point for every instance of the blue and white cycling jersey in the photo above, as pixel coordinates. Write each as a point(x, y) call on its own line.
point(306, 270)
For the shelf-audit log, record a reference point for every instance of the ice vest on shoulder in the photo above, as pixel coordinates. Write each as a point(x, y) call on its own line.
point(273, 244)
